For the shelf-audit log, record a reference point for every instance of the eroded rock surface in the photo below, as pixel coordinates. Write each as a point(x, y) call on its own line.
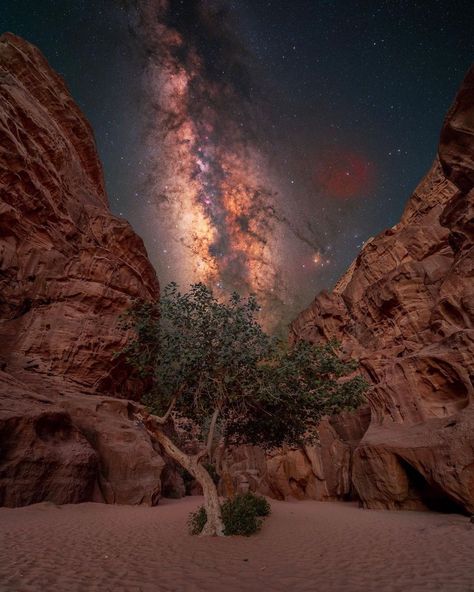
point(43, 456)
point(405, 308)
point(71, 447)
point(320, 472)
point(68, 268)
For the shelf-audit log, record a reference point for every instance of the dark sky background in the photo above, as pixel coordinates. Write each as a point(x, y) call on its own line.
point(343, 100)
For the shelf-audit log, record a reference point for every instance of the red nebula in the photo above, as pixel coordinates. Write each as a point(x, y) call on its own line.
point(344, 174)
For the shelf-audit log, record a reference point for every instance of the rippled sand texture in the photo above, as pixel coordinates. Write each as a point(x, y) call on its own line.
point(303, 546)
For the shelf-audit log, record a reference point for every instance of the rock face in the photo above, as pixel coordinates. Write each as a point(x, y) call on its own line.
point(73, 448)
point(319, 472)
point(68, 268)
point(43, 455)
point(405, 308)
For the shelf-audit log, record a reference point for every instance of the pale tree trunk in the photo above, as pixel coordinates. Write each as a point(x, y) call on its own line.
point(214, 525)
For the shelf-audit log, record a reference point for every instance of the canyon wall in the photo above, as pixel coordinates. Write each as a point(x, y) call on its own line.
point(320, 471)
point(68, 268)
point(405, 308)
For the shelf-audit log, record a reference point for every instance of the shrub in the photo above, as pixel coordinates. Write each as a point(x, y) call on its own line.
point(197, 520)
point(261, 505)
point(241, 515)
point(244, 513)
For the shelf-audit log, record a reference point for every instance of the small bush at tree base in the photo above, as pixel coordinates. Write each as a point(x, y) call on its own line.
point(197, 520)
point(244, 513)
point(261, 505)
point(241, 515)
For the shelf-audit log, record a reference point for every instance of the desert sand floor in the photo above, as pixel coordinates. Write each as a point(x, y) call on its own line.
point(303, 546)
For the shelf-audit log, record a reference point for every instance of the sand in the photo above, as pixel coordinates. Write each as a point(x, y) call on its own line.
point(303, 546)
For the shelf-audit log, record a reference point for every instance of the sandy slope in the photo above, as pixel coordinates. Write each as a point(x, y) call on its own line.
point(308, 546)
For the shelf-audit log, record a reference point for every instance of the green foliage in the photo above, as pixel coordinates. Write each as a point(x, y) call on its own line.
point(301, 384)
point(241, 515)
point(194, 345)
point(210, 355)
point(197, 520)
point(259, 503)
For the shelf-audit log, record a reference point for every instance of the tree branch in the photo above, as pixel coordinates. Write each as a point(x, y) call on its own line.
point(212, 428)
point(214, 524)
point(163, 419)
point(210, 436)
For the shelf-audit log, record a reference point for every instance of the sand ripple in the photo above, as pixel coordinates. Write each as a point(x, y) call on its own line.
point(303, 547)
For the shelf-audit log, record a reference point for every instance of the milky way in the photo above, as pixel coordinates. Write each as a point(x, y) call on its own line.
point(255, 145)
point(209, 177)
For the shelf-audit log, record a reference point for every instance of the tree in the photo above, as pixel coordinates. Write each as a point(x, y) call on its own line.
point(211, 364)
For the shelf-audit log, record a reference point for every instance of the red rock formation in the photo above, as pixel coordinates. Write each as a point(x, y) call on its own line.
point(320, 472)
point(68, 268)
point(73, 448)
point(406, 309)
point(43, 455)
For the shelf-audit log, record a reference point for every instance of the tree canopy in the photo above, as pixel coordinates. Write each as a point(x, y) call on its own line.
point(210, 364)
point(211, 359)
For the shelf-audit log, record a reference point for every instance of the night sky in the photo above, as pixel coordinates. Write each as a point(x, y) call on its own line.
point(255, 145)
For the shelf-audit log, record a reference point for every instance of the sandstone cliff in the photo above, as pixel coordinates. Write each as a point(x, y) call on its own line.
point(405, 308)
point(68, 268)
point(320, 471)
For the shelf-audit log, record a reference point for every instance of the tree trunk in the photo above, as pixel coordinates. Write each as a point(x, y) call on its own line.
point(214, 525)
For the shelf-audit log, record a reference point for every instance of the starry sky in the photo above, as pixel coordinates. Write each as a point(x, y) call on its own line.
point(256, 145)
